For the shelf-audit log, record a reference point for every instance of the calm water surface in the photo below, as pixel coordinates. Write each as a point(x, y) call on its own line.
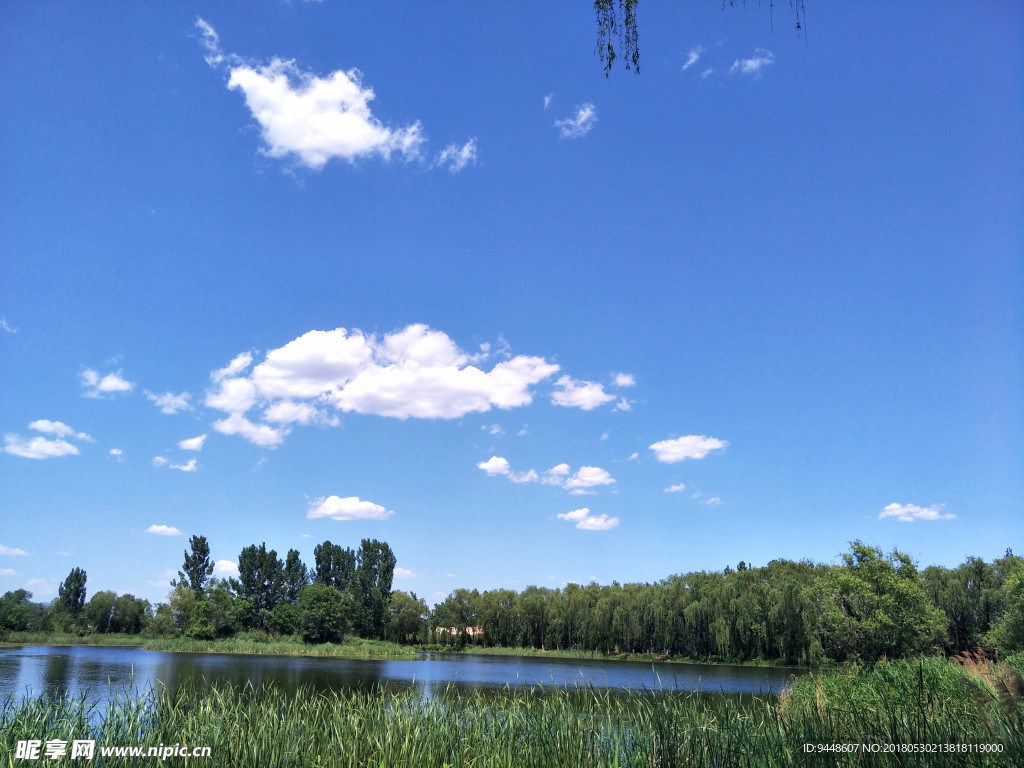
point(98, 672)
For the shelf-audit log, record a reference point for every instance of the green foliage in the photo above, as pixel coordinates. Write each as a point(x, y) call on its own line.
point(295, 577)
point(15, 610)
point(131, 615)
point(99, 611)
point(335, 566)
point(1007, 632)
point(324, 614)
point(284, 619)
point(197, 567)
point(71, 594)
point(200, 625)
point(260, 582)
point(407, 618)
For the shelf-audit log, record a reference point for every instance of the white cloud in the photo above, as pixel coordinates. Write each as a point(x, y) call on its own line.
point(8, 572)
point(170, 403)
point(415, 372)
point(315, 119)
point(707, 73)
point(192, 443)
point(6, 327)
point(625, 380)
point(587, 522)
point(623, 405)
point(349, 508)
point(547, 100)
point(908, 513)
point(225, 568)
point(163, 530)
point(37, 447)
point(258, 434)
point(579, 394)
point(714, 501)
point(493, 429)
point(523, 432)
point(12, 551)
point(604, 436)
point(404, 573)
point(115, 451)
point(188, 467)
point(496, 465)
point(686, 447)
point(676, 488)
point(456, 157)
point(589, 477)
point(753, 66)
point(159, 461)
point(99, 386)
point(578, 125)
point(634, 456)
point(235, 367)
point(693, 57)
point(59, 429)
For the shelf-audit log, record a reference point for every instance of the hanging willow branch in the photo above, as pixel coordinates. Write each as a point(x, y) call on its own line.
point(616, 21)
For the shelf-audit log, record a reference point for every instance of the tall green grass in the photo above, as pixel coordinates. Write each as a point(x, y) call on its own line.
point(926, 702)
point(245, 642)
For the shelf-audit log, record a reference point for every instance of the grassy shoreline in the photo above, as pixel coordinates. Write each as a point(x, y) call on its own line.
point(356, 648)
point(597, 656)
point(247, 643)
point(916, 703)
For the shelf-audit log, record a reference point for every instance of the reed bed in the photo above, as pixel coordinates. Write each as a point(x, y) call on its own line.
point(931, 701)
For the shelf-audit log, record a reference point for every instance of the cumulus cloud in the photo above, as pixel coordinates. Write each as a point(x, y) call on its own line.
point(258, 434)
point(225, 569)
point(496, 465)
point(163, 530)
point(693, 57)
point(579, 125)
point(100, 386)
point(586, 395)
point(37, 447)
point(349, 508)
point(189, 466)
point(686, 447)
point(404, 573)
point(625, 380)
point(456, 157)
point(12, 551)
point(58, 429)
point(714, 501)
point(560, 474)
point(159, 461)
point(115, 452)
point(753, 66)
point(415, 372)
point(676, 488)
point(169, 402)
point(314, 119)
point(588, 522)
point(192, 443)
point(623, 405)
point(493, 429)
point(908, 513)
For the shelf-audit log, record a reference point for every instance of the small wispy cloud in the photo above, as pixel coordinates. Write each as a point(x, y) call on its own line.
point(404, 573)
point(163, 530)
point(580, 124)
point(588, 522)
point(192, 443)
point(169, 402)
point(12, 551)
point(110, 384)
point(456, 157)
point(547, 99)
point(189, 466)
point(5, 327)
point(675, 488)
point(762, 58)
point(693, 57)
point(908, 513)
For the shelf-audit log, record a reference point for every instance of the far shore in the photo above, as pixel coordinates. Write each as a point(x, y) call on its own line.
point(353, 648)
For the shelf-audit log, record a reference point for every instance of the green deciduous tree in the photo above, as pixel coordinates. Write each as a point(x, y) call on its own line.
point(99, 611)
point(71, 594)
point(197, 568)
point(260, 582)
point(323, 614)
point(15, 610)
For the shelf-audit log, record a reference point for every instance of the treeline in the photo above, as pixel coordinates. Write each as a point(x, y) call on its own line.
point(869, 606)
point(347, 592)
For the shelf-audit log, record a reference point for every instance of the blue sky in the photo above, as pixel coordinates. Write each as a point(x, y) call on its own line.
point(291, 271)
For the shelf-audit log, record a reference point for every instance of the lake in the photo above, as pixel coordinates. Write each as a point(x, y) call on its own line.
point(99, 672)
